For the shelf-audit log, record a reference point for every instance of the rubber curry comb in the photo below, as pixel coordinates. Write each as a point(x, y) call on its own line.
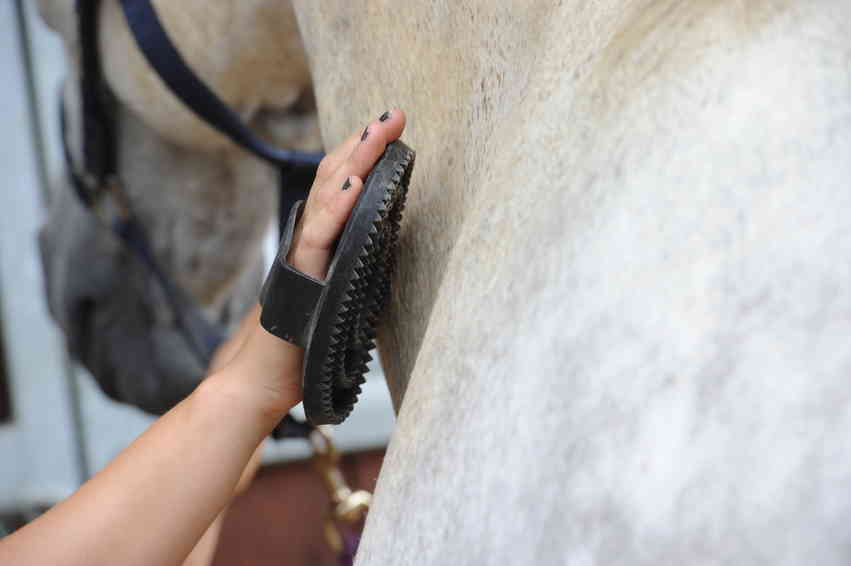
point(335, 319)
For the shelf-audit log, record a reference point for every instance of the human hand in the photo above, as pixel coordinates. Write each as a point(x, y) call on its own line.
point(271, 365)
point(338, 183)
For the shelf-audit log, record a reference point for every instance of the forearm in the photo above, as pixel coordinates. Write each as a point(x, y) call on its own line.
point(153, 503)
point(205, 548)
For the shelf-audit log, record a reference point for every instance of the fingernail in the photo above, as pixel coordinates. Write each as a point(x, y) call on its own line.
point(384, 117)
point(365, 134)
point(347, 184)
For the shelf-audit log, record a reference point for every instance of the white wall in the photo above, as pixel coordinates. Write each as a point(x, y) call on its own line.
point(37, 450)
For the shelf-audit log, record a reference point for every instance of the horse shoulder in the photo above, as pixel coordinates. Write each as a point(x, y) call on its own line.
point(638, 355)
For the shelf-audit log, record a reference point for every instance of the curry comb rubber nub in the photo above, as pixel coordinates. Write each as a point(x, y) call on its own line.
point(335, 319)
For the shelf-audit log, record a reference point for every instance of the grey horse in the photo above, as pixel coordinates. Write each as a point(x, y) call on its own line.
point(205, 204)
point(621, 329)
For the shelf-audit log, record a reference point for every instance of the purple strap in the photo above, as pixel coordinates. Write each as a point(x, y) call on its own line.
point(350, 547)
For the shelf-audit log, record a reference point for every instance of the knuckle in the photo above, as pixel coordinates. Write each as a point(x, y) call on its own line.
point(321, 199)
point(312, 239)
point(326, 165)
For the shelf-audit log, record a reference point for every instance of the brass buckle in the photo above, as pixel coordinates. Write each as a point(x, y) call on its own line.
point(347, 507)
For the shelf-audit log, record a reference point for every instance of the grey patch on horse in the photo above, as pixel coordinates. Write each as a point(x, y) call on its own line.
point(111, 311)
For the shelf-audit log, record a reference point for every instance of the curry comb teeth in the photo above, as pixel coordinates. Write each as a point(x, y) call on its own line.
point(358, 289)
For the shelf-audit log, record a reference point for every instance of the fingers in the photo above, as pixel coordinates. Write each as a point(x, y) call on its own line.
point(328, 222)
point(385, 129)
point(329, 164)
point(338, 184)
point(372, 142)
point(312, 249)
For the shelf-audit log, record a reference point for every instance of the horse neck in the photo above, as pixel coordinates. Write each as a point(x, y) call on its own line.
point(502, 100)
point(257, 68)
point(469, 78)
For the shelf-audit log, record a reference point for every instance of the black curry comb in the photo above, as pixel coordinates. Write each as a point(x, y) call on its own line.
point(335, 319)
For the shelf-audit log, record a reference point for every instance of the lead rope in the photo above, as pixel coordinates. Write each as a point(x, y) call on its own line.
point(347, 508)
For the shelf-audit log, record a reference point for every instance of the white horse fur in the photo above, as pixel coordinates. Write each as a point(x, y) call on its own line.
point(622, 319)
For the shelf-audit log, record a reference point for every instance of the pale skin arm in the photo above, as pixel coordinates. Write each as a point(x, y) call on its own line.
point(152, 504)
point(205, 548)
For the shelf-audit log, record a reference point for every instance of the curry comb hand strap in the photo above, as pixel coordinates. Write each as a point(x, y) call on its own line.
point(289, 297)
point(335, 319)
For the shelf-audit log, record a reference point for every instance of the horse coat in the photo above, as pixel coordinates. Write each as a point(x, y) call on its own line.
point(620, 329)
point(622, 320)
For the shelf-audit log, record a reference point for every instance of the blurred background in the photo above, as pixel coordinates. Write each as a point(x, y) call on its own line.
point(56, 427)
